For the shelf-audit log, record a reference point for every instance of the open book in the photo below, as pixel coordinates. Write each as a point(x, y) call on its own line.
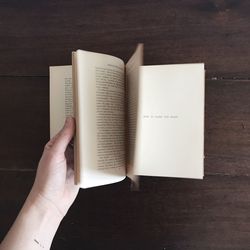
point(131, 119)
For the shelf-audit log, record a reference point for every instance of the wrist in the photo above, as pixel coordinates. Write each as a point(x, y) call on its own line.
point(43, 206)
point(41, 220)
point(35, 226)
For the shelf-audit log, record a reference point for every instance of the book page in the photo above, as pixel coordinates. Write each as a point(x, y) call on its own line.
point(100, 112)
point(132, 86)
point(61, 104)
point(170, 139)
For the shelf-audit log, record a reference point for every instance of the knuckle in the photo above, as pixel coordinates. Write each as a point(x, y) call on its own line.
point(48, 146)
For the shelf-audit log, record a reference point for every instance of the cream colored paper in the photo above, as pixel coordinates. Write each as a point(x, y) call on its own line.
point(99, 79)
point(170, 135)
point(60, 97)
point(165, 116)
point(132, 93)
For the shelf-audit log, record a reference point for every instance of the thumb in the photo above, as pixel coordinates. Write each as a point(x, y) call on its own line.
point(64, 137)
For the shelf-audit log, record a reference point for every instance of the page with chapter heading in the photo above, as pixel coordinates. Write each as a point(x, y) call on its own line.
point(170, 134)
point(99, 93)
point(61, 103)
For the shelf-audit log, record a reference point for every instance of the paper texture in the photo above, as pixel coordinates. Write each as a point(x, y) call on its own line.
point(132, 88)
point(170, 136)
point(100, 93)
point(61, 104)
point(164, 117)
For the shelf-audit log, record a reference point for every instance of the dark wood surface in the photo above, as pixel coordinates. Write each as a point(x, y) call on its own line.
point(166, 213)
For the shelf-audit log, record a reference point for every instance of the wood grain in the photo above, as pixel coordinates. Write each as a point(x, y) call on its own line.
point(165, 213)
point(24, 119)
point(227, 128)
point(227, 124)
point(36, 34)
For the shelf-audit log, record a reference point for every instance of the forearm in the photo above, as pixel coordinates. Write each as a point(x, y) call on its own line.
point(51, 196)
point(34, 227)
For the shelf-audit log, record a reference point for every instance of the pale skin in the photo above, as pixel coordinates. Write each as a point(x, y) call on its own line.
point(51, 196)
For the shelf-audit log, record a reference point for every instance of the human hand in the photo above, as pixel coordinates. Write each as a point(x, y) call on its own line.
point(51, 196)
point(54, 184)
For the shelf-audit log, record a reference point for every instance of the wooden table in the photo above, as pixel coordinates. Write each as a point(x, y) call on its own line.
point(166, 213)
